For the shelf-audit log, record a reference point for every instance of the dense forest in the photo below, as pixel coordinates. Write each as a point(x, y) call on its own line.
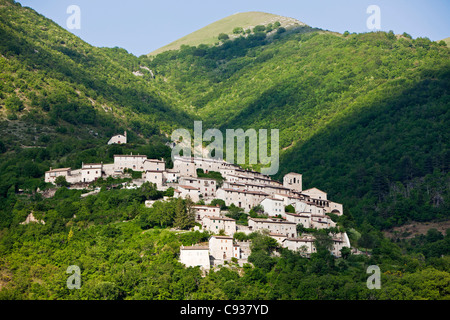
point(361, 116)
point(127, 251)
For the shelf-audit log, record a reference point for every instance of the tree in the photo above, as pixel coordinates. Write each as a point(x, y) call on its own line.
point(235, 212)
point(60, 181)
point(223, 36)
point(345, 252)
point(238, 30)
point(367, 241)
point(148, 191)
point(14, 104)
point(289, 208)
point(184, 214)
point(259, 28)
point(322, 261)
point(391, 35)
point(407, 35)
point(433, 235)
point(219, 202)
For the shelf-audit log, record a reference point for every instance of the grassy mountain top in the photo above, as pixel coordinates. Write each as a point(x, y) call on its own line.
point(447, 41)
point(246, 20)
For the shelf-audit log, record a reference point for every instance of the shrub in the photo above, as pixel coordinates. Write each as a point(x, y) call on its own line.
point(223, 37)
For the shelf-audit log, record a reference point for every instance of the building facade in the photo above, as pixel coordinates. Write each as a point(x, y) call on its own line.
point(194, 256)
point(287, 228)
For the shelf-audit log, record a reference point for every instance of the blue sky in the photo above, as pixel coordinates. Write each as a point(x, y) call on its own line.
point(141, 26)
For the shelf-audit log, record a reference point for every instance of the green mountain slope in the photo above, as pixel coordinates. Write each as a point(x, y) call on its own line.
point(246, 20)
point(363, 117)
point(51, 59)
point(60, 96)
point(369, 106)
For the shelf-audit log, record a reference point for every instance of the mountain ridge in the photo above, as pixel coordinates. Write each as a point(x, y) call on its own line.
point(246, 20)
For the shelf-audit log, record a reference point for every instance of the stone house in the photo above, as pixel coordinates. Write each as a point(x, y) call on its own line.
point(91, 171)
point(319, 221)
point(184, 166)
point(315, 193)
point(305, 245)
point(118, 139)
point(134, 162)
point(52, 174)
point(183, 191)
point(206, 186)
point(277, 236)
point(215, 224)
point(287, 228)
point(154, 176)
point(223, 248)
point(203, 210)
point(154, 165)
point(273, 206)
point(193, 256)
point(241, 198)
point(299, 218)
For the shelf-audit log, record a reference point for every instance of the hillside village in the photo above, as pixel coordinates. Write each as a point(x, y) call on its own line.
point(245, 189)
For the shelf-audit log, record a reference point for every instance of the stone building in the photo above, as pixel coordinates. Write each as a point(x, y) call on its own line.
point(293, 181)
point(204, 210)
point(91, 171)
point(130, 161)
point(223, 248)
point(52, 174)
point(287, 228)
point(118, 139)
point(241, 198)
point(273, 206)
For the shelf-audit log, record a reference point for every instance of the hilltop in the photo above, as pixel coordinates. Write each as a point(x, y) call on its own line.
point(246, 20)
point(363, 116)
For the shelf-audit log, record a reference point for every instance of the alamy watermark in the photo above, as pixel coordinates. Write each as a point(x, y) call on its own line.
point(74, 281)
point(374, 282)
point(74, 20)
point(258, 146)
point(373, 22)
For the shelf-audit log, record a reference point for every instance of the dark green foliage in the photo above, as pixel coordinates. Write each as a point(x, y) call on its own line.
point(60, 181)
point(219, 202)
point(223, 37)
point(212, 175)
point(363, 116)
point(237, 213)
point(289, 208)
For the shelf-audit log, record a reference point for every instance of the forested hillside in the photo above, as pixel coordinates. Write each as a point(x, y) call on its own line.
point(61, 99)
point(362, 116)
